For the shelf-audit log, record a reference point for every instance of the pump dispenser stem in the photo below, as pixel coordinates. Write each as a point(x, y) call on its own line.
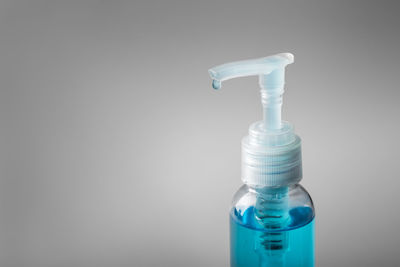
point(271, 100)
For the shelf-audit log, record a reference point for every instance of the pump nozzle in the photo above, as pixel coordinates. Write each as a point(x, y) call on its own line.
point(271, 72)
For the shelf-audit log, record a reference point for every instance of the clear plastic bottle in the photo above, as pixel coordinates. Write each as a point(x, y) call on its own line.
point(272, 226)
point(272, 216)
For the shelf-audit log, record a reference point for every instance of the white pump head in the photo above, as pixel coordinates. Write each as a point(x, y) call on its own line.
point(271, 153)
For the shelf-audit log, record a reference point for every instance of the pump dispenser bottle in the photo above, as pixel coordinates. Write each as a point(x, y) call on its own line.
point(272, 216)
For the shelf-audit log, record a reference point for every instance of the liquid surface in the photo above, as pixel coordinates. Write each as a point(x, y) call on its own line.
point(254, 244)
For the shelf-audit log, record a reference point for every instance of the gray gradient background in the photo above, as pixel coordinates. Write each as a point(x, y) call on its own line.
point(115, 151)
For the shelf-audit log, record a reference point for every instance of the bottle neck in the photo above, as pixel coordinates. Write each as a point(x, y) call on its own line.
point(275, 191)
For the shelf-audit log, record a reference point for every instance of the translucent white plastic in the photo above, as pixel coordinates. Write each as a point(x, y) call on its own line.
point(271, 153)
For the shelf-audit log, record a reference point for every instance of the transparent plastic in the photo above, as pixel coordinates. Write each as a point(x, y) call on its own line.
point(272, 226)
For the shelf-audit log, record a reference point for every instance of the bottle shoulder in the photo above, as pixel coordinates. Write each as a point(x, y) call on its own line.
point(295, 194)
point(286, 207)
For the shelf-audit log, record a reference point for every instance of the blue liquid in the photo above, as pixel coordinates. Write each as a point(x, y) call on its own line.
point(252, 245)
point(216, 84)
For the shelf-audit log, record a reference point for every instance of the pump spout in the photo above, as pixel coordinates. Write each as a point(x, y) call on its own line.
point(251, 67)
point(271, 72)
